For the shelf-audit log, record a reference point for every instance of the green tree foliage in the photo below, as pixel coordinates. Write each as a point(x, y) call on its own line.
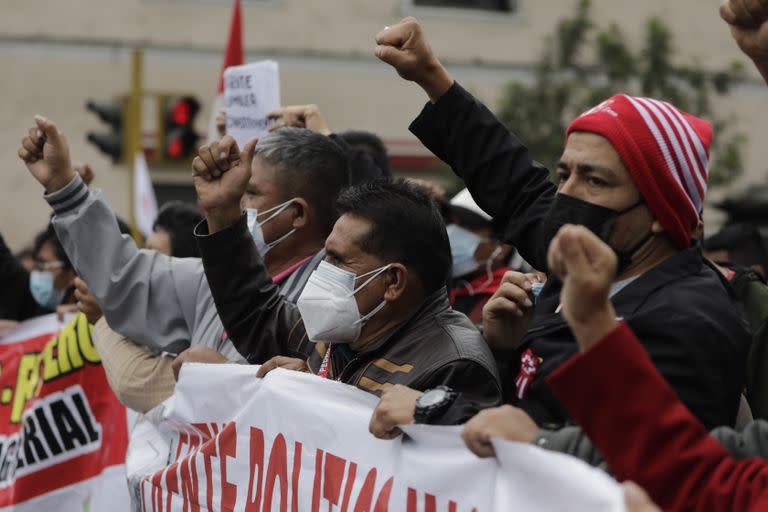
point(583, 64)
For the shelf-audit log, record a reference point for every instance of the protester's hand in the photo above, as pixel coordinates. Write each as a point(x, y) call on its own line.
point(395, 408)
point(749, 26)
point(505, 422)
point(63, 310)
point(637, 500)
point(46, 153)
point(85, 172)
point(86, 302)
point(221, 173)
point(404, 47)
point(196, 354)
point(587, 268)
point(507, 313)
point(288, 363)
point(299, 116)
point(221, 122)
point(7, 326)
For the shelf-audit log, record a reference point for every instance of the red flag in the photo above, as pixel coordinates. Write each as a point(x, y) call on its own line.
point(233, 55)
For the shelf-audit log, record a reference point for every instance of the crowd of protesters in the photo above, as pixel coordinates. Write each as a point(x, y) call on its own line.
point(588, 316)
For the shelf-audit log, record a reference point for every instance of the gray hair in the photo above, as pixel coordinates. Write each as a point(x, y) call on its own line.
point(309, 165)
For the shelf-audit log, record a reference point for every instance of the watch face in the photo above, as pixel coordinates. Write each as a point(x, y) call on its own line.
point(432, 397)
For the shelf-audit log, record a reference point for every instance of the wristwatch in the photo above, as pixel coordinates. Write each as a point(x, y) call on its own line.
point(432, 403)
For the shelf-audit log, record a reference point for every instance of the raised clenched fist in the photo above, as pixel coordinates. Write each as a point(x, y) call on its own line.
point(221, 173)
point(404, 47)
point(748, 20)
point(299, 116)
point(46, 153)
point(587, 267)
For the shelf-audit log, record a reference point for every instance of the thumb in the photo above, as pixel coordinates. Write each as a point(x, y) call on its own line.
point(49, 128)
point(246, 156)
point(390, 55)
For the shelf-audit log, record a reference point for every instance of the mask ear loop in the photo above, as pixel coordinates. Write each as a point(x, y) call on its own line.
point(279, 209)
point(376, 272)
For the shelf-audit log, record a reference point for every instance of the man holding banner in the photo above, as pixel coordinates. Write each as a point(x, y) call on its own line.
point(375, 313)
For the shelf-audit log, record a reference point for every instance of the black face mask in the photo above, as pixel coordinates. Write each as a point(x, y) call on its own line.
point(598, 219)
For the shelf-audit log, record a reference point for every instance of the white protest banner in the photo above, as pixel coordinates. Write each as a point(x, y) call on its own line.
point(63, 433)
point(294, 441)
point(251, 91)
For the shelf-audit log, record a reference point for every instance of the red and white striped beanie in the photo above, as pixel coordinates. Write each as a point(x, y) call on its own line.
point(666, 151)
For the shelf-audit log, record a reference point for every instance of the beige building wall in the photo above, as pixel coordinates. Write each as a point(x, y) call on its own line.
point(57, 54)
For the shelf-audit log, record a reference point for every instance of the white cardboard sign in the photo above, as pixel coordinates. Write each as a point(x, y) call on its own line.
point(251, 91)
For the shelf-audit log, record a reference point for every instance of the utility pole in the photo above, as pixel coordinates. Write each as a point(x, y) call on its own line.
point(134, 135)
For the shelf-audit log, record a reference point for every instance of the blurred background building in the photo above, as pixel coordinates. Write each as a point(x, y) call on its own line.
point(57, 55)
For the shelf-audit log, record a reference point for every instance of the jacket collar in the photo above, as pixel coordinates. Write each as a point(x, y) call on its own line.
point(686, 262)
point(433, 304)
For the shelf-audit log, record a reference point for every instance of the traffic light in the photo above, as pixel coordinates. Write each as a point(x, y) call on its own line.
point(179, 139)
point(113, 113)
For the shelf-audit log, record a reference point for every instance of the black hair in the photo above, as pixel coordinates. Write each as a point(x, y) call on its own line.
point(309, 165)
point(406, 227)
point(48, 235)
point(744, 243)
point(371, 144)
point(179, 220)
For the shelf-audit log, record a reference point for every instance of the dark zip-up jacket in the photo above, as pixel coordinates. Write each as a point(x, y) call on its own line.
point(436, 346)
point(682, 311)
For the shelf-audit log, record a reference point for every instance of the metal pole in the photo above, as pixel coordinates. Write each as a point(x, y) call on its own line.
point(134, 129)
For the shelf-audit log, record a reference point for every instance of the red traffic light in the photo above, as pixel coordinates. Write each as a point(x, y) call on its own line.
point(180, 112)
point(175, 148)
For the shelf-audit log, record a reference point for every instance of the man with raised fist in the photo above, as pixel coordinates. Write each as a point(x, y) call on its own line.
point(634, 172)
point(164, 303)
point(375, 313)
point(624, 405)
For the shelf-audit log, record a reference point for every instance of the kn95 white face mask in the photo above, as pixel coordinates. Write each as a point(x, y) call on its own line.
point(328, 306)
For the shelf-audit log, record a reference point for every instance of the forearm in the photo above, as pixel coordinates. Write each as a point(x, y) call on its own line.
point(496, 167)
point(258, 320)
point(656, 443)
point(139, 379)
point(136, 289)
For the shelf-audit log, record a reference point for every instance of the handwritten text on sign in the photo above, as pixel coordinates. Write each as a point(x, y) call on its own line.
point(251, 91)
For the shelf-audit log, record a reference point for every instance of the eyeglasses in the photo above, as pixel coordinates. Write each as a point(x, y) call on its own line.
point(46, 266)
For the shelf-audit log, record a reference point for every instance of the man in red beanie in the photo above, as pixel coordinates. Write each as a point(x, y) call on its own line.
point(633, 171)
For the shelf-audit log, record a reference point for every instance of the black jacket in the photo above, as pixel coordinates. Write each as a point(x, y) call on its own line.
point(436, 346)
point(682, 311)
point(16, 301)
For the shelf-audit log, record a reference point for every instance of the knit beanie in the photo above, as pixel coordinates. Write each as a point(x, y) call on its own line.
point(666, 151)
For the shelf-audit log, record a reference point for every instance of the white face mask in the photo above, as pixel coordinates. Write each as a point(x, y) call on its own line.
point(254, 226)
point(328, 306)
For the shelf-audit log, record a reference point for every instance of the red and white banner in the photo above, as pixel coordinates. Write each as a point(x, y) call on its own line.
point(296, 442)
point(63, 433)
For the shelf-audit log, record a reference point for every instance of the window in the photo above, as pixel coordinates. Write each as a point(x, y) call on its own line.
point(483, 11)
point(481, 5)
